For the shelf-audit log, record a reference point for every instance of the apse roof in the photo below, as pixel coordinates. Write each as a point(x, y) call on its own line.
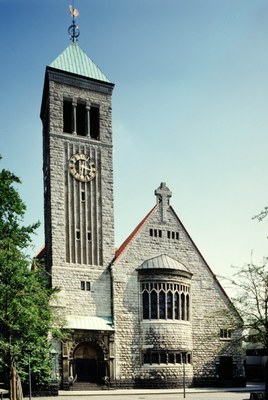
point(74, 60)
point(163, 262)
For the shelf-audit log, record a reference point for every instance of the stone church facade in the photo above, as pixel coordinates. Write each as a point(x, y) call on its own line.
point(149, 314)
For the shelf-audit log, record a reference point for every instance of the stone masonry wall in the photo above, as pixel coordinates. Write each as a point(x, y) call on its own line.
point(67, 275)
point(206, 298)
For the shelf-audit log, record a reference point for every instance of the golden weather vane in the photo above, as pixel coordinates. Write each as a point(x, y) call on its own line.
point(73, 30)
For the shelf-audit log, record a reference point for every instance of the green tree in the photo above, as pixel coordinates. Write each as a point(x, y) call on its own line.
point(25, 313)
point(250, 285)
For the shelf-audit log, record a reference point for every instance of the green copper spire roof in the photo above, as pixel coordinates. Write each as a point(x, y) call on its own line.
point(73, 59)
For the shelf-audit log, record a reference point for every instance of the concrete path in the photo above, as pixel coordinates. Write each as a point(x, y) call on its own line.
point(242, 393)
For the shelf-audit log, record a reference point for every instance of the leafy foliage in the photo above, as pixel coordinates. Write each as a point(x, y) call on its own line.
point(251, 300)
point(262, 214)
point(25, 313)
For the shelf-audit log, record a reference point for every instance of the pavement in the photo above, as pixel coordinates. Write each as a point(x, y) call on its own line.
point(250, 387)
point(240, 393)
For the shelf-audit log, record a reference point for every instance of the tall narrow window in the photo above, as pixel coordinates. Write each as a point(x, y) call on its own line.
point(83, 195)
point(162, 305)
point(183, 306)
point(178, 358)
point(171, 358)
point(163, 358)
point(177, 305)
point(67, 116)
point(146, 358)
point(187, 307)
point(75, 117)
point(153, 305)
point(81, 119)
point(169, 305)
point(94, 122)
point(155, 358)
point(145, 300)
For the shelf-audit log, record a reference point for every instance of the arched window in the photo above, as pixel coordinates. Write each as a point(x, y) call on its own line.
point(145, 301)
point(153, 304)
point(177, 306)
point(183, 306)
point(169, 305)
point(164, 300)
point(162, 305)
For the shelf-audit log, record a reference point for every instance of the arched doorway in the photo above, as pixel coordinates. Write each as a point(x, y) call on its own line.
point(89, 363)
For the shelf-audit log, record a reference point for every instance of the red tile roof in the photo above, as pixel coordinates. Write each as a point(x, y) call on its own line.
point(120, 250)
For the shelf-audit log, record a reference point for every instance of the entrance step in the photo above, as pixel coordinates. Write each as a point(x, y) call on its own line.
point(85, 386)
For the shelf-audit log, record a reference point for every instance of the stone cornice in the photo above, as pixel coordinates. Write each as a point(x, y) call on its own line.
point(80, 82)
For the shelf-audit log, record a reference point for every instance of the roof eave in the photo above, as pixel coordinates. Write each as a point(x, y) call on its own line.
point(71, 79)
point(64, 74)
point(159, 271)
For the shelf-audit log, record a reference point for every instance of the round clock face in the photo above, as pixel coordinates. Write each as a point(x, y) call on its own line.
point(82, 167)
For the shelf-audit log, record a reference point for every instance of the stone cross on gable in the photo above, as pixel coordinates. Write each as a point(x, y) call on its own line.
point(163, 195)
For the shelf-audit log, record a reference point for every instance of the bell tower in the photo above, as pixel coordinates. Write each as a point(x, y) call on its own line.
point(78, 180)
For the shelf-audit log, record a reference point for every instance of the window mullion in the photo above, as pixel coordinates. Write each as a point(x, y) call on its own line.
point(88, 120)
point(74, 117)
point(157, 302)
point(150, 304)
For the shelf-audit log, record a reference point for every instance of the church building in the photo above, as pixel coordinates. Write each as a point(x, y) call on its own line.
point(150, 313)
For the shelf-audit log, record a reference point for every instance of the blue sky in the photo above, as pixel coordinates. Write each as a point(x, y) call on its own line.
point(189, 109)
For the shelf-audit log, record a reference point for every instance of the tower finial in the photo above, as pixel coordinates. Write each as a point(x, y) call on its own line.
point(73, 30)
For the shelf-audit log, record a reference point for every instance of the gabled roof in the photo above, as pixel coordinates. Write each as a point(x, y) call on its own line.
point(131, 236)
point(163, 262)
point(128, 241)
point(41, 252)
point(74, 60)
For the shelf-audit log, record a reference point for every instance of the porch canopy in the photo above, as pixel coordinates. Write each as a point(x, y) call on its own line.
point(81, 322)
